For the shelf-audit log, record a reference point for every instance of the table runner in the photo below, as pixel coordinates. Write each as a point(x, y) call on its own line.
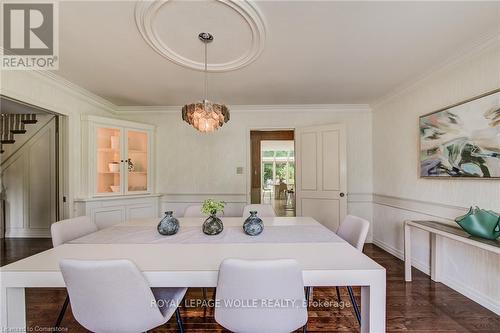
point(194, 235)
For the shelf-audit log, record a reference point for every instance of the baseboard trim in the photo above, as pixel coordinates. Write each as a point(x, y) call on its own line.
point(480, 298)
point(26, 233)
point(424, 268)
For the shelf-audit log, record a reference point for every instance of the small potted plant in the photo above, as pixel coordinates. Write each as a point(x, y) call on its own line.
point(212, 225)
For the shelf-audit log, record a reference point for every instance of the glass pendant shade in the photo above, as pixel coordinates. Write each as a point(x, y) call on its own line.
point(205, 116)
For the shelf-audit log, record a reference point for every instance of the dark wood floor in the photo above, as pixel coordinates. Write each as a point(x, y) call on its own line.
point(419, 306)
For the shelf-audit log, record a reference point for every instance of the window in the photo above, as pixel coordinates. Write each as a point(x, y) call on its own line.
point(277, 165)
point(267, 174)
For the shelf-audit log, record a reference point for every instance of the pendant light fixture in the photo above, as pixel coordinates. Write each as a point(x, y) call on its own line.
point(205, 116)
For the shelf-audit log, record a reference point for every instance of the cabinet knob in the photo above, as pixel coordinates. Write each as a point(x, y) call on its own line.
point(342, 194)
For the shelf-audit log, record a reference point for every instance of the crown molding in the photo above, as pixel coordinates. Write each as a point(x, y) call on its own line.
point(77, 90)
point(127, 110)
point(116, 110)
point(480, 45)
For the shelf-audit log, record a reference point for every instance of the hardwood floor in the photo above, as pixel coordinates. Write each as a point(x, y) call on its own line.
point(419, 306)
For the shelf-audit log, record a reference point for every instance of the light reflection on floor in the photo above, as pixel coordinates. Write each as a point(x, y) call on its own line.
point(280, 206)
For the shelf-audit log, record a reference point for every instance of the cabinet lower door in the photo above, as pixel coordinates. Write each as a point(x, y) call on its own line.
point(108, 216)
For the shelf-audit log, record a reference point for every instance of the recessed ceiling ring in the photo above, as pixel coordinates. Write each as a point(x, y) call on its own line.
point(147, 10)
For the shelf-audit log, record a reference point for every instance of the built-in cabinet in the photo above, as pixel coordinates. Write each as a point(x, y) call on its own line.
point(120, 157)
point(105, 212)
point(119, 160)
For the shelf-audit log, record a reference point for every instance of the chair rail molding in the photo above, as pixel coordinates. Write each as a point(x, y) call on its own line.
point(434, 209)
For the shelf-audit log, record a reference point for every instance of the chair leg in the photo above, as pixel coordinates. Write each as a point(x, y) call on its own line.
point(179, 320)
point(62, 312)
point(308, 294)
point(338, 294)
point(354, 304)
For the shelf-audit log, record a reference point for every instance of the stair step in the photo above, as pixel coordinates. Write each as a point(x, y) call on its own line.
point(18, 131)
point(7, 142)
point(29, 121)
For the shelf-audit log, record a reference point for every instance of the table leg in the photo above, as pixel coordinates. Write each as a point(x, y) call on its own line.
point(436, 249)
point(373, 307)
point(13, 310)
point(407, 252)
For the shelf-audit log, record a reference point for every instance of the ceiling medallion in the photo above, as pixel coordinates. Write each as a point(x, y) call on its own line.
point(147, 10)
point(205, 116)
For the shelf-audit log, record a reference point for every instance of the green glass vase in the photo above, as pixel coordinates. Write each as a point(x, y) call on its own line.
point(480, 223)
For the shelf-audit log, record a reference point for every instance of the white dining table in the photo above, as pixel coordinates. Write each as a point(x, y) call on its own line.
point(192, 259)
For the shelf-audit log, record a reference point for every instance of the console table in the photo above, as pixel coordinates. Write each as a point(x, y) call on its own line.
point(438, 231)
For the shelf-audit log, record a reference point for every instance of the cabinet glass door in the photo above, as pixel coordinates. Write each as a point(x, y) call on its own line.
point(108, 160)
point(137, 161)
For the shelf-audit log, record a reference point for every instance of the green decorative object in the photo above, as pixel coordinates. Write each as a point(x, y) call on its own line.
point(480, 223)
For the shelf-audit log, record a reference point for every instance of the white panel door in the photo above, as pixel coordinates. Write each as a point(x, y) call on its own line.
point(321, 173)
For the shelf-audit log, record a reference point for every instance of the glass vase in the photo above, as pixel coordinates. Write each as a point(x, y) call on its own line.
point(169, 225)
point(212, 225)
point(253, 225)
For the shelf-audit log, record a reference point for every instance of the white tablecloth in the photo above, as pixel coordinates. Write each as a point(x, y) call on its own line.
point(194, 234)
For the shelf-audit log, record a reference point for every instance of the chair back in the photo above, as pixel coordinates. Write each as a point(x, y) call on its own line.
point(354, 230)
point(260, 282)
point(110, 296)
point(67, 230)
point(262, 210)
point(193, 211)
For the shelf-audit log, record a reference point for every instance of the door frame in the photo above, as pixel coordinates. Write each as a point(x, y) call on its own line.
point(249, 153)
point(61, 158)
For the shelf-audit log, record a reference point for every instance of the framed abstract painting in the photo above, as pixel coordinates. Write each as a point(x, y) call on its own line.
point(462, 140)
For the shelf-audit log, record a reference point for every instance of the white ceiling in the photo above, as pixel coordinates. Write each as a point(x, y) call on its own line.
point(321, 52)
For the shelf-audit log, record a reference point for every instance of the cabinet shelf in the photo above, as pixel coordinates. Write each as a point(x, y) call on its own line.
point(108, 150)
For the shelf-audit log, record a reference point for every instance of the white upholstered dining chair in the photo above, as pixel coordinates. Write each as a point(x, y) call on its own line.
point(262, 210)
point(353, 230)
point(193, 211)
point(260, 281)
point(63, 232)
point(112, 296)
point(67, 230)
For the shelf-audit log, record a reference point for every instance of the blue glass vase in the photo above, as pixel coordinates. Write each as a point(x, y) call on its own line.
point(253, 225)
point(169, 225)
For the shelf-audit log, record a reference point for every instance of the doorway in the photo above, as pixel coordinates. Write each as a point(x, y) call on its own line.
point(273, 170)
point(30, 186)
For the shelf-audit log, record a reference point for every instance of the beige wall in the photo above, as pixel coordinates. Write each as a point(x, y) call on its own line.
point(192, 165)
point(398, 192)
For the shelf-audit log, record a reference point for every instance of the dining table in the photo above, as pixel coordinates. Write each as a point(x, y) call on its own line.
point(192, 259)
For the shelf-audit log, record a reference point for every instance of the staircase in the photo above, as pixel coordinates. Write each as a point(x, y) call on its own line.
point(12, 125)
